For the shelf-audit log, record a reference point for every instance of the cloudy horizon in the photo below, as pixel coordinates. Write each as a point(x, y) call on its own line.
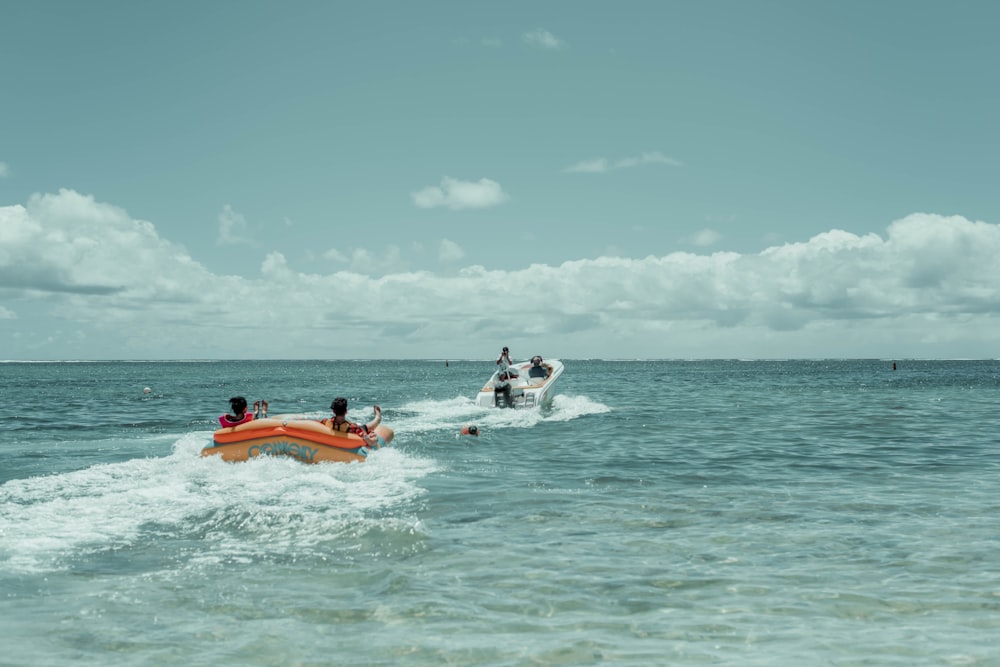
point(99, 279)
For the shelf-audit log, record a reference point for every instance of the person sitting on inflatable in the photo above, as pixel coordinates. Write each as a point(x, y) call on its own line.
point(238, 405)
point(365, 431)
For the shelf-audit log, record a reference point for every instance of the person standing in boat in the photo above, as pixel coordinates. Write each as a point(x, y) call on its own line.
point(507, 370)
point(366, 432)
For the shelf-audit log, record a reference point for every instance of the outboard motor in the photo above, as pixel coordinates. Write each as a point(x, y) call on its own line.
point(502, 395)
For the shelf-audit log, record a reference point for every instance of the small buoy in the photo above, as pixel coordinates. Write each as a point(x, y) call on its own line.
point(471, 429)
point(147, 390)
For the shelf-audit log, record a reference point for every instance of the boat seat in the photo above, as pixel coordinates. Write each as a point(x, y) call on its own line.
point(537, 372)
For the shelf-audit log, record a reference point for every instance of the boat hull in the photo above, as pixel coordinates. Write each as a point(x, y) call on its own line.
point(305, 440)
point(525, 391)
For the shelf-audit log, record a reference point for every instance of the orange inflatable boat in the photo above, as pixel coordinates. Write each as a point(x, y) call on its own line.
point(307, 440)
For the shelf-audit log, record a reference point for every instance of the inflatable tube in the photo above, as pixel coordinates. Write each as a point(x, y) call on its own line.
point(303, 439)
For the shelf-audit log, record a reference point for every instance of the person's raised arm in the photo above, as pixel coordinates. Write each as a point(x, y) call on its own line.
point(377, 420)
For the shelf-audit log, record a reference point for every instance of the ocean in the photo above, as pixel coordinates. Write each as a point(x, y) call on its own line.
point(705, 512)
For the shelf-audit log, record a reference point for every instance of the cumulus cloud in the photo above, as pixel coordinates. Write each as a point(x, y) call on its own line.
point(233, 229)
point(706, 237)
point(928, 280)
point(543, 39)
point(364, 261)
point(69, 243)
point(387, 259)
point(335, 255)
point(601, 165)
point(458, 195)
point(449, 251)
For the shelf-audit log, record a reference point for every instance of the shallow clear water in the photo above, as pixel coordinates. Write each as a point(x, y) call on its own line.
point(682, 513)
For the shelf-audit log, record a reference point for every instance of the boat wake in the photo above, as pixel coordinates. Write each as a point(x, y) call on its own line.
point(428, 416)
point(266, 508)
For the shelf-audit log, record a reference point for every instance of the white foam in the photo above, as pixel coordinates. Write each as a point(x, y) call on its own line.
point(566, 408)
point(429, 415)
point(45, 521)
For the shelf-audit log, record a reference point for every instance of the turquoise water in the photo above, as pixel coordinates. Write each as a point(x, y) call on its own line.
point(656, 513)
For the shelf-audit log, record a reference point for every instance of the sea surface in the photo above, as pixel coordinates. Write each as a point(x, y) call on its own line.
point(716, 512)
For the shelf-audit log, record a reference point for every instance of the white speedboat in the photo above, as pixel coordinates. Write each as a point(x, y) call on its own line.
point(524, 384)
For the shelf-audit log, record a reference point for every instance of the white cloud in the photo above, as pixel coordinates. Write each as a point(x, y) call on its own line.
point(706, 237)
point(384, 260)
point(927, 287)
point(449, 251)
point(68, 244)
point(368, 262)
point(335, 255)
point(596, 166)
point(7, 314)
point(4, 170)
point(233, 229)
point(275, 267)
point(654, 157)
point(613, 251)
point(543, 38)
point(601, 165)
point(458, 195)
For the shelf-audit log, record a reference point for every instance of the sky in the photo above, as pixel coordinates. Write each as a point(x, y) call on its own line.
point(434, 180)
